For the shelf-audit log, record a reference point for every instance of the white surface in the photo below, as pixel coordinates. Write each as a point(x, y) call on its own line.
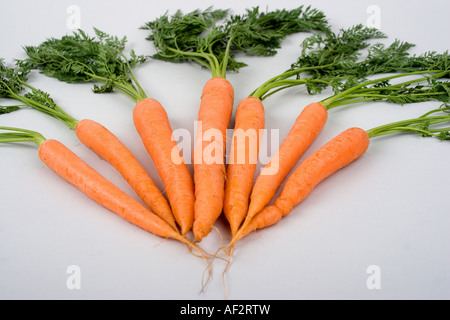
point(389, 209)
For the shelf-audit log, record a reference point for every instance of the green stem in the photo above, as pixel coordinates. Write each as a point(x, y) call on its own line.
point(345, 102)
point(263, 92)
point(351, 99)
point(55, 113)
point(419, 125)
point(226, 58)
point(126, 89)
point(265, 96)
point(217, 69)
point(142, 94)
point(211, 60)
point(329, 101)
point(20, 135)
point(278, 80)
point(57, 108)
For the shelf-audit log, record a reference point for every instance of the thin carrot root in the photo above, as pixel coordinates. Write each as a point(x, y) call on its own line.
point(201, 253)
point(220, 235)
point(230, 254)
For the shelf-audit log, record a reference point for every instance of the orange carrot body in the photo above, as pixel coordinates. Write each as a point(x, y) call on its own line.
point(265, 218)
point(209, 174)
point(71, 168)
point(304, 131)
point(152, 124)
point(108, 146)
point(243, 159)
point(336, 154)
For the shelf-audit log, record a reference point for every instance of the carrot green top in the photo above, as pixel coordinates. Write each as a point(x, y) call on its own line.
point(82, 58)
point(337, 61)
point(212, 37)
point(13, 82)
point(428, 125)
point(20, 135)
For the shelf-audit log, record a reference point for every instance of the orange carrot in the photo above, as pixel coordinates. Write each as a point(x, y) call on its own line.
point(71, 168)
point(209, 152)
point(268, 216)
point(152, 124)
point(304, 131)
point(334, 155)
point(74, 170)
point(249, 121)
point(109, 147)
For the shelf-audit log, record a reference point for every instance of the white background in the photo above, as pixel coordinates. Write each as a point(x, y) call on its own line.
point(389, 209)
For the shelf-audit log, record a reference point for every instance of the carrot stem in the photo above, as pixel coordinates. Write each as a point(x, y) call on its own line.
point(419, 125)
point(20, 135)
point(128, 90)
point(280, 81)
point(212, 64)
point(142, 94)
point(328, 102)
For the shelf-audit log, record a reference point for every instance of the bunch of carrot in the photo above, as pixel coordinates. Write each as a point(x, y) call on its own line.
point(195, 203)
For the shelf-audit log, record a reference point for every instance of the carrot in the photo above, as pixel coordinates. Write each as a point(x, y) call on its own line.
point(114, 71)
point(209, 174)
point(349, 85)
point(153, 126)
point(304, 131)
point(74, 170)
point(93, 135)
point(336, 154)
point(339, 152)
point(249, 121)
point(211, 37)
point(71, 168)
point(267, 217)
point(104, 143)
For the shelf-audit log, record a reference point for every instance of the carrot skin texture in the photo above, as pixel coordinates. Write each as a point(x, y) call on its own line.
point(334, 155)
point(74, 170)
point(306, 128)
point(104, 143)
point(250, 120)
point(209, 176)
point(153, 126)
point(267, 217)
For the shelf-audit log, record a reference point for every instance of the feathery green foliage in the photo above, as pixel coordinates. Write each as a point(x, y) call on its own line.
point(8, 109)
point(427, 125)
point(422, 86)
point(337, 50)
point(81, 58)
point(213, 37)
point(13, 81)
point(336, 61)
